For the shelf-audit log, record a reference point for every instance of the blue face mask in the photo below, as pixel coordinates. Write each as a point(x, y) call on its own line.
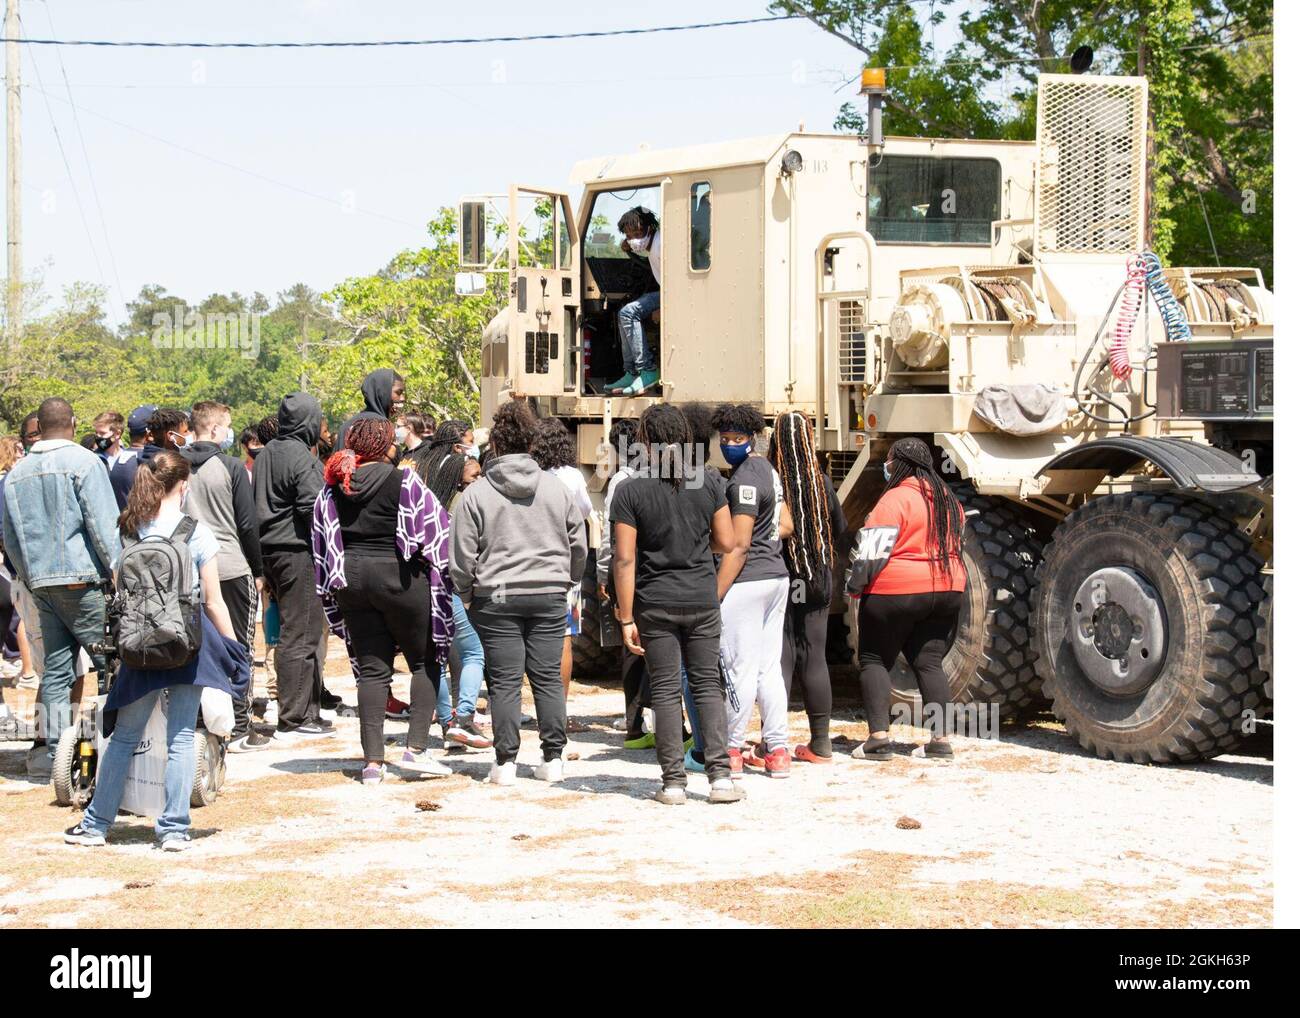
point(884, 469)
point(228, 440)
point(736, 454)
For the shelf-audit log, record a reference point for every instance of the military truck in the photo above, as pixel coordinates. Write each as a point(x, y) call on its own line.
point(1107, 421)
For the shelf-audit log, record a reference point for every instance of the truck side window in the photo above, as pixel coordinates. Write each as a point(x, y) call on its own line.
point(934, 200)
point(701, 226)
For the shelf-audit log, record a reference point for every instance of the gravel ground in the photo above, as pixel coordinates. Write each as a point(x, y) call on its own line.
point(1022, 831)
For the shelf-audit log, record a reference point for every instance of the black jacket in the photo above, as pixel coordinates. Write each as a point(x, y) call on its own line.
point(287, 476)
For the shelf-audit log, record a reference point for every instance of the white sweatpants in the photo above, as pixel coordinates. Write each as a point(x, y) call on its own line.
point(753, 627)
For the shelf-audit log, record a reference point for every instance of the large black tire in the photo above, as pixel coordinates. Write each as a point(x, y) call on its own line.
point(209, 768)
point(590, 659)
point(65, 777)
point(991, 659)
point(1264, 640)
point(1186, 704)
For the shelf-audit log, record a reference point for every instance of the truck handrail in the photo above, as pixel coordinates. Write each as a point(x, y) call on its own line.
point(870, 244)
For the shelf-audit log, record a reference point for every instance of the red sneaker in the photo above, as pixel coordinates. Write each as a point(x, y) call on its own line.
point(737, 764)
point(396, 709)
point(777, 763)
point(806, 755)
point(752, 755)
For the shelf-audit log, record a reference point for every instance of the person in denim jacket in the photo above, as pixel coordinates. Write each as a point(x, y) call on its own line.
point(60, 536)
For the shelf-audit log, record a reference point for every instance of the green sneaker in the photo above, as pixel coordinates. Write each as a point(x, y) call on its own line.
point(622, 383)
point(645, 380)
point(646, 741)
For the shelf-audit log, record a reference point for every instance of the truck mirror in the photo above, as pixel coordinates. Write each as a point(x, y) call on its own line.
point(473, 228)
point(470, 284)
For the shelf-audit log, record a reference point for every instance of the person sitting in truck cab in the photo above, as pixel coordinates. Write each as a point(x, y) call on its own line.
point(640, 229)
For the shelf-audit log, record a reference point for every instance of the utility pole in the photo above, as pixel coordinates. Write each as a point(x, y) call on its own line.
point(13, 181)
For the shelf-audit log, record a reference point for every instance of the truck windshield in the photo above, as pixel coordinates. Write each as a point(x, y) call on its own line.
point(934, 200)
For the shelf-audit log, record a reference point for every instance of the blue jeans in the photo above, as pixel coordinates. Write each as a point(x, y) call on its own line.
point(178, 780)
point(632, 333)
point(71, 618)
point(470, 650)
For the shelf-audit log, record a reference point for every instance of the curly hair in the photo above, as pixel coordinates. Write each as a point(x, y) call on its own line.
point(738, 417)
point(268, 428)
point(622, 436)
point(367, 441)
point(552, 445)
point(512, 428)
point(165, 419)
point(11, 451)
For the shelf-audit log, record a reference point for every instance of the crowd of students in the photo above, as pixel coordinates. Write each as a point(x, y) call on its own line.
point(394, 537)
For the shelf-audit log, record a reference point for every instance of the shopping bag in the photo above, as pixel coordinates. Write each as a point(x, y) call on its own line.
point(218, 711)
point(145, 793)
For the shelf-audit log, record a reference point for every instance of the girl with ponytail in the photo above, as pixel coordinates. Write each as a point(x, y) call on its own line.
point(809, 558)
point(907, 569)
point(155, 508)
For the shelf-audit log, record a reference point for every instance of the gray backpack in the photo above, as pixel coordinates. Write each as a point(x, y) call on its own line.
point(159, 623)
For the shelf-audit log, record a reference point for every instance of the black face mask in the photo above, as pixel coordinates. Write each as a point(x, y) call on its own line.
point(253, 450)
point(102, 442)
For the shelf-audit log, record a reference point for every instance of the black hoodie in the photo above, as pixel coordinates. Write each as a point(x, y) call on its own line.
point(377, 392)
point(287, 476)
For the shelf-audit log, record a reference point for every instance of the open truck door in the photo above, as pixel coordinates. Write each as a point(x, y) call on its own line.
point(535, 348)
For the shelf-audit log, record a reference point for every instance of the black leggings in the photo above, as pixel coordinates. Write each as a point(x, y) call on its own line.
point(386, 607)
point(922, 627)
point(803, 653)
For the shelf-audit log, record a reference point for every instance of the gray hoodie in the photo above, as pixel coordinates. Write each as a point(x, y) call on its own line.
point(517, 531)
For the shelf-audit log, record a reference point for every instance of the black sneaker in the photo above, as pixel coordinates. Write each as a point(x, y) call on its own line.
point(875, 749)
point(249, 743)
point(308, 729)
point(329, 701)
point(464, 731)
point(938, 750)
point(80, 836)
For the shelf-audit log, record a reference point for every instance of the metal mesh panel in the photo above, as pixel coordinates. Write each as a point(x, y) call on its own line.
point(1091, 164)
point(852, 341)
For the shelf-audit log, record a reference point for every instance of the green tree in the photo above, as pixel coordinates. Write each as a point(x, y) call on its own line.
point(1209, 67)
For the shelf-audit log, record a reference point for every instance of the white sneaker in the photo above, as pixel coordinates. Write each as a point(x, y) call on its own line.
point(272, 714)
point(502, 774)
point(426, 763)
point(550, 770)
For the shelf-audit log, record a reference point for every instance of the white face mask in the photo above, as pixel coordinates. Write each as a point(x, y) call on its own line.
point(182, 440)
point(639, 244)
point(401, 433)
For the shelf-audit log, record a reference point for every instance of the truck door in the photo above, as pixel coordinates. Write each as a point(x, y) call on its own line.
point(545, 296)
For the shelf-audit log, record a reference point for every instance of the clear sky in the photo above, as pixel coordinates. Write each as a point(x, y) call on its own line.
point(225, 170)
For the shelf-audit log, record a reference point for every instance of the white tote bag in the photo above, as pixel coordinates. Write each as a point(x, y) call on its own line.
point(145, 793)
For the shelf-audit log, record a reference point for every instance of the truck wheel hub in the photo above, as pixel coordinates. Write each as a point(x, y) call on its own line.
point(1117, 630)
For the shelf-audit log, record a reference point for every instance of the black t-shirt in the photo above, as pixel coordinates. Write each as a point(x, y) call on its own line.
point(754, 489)
point(674, 566)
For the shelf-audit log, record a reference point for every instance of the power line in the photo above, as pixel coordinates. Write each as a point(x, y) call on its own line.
point(376, 43)
point(90, 169)
point(231, 166)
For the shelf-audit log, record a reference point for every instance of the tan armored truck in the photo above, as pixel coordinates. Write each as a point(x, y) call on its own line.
point(1107, 421)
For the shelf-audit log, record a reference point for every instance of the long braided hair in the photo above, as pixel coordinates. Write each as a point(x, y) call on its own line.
point(945, 516)
point(793, 452)
point(367, 441)
point(665, 435)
